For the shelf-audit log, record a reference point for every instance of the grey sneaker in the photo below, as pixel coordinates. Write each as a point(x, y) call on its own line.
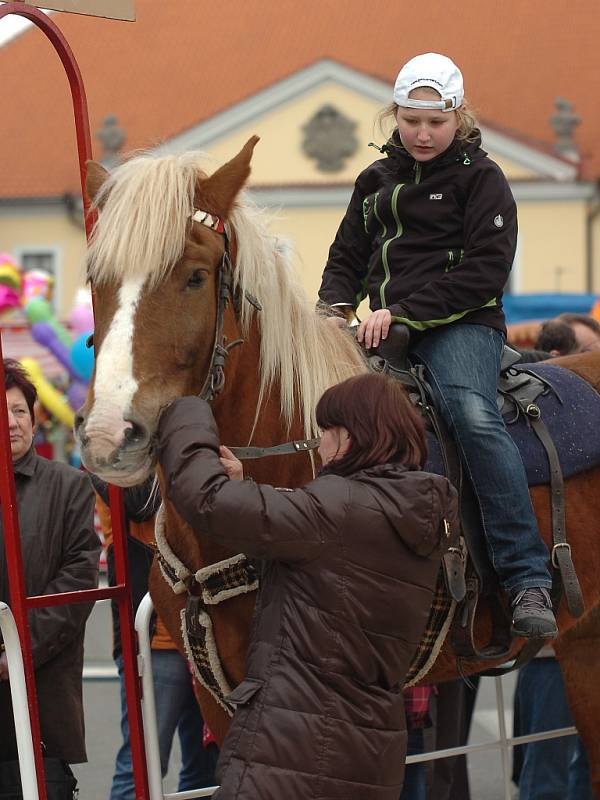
point(532, 615)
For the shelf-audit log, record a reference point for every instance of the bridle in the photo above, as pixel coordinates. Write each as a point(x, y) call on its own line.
point(214, 382)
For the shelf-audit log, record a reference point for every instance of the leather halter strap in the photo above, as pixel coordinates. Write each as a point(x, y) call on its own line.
point(215, 377)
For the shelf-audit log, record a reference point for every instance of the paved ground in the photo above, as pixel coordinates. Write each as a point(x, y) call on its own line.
point(103, 733)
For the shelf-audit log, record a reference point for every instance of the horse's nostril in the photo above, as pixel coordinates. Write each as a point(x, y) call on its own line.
point(79, 428)
point(135, 434)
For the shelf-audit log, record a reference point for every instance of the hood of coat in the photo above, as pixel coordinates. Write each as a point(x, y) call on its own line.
point(459, 151)
point(415, 504)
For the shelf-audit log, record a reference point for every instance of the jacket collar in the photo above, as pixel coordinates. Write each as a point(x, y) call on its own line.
point(458, 151)
point(26, 464)
point(387, 470)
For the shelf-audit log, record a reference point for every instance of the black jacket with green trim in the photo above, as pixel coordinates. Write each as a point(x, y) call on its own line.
point(432, 241)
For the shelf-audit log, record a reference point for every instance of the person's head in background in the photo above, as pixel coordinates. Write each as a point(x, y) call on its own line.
point(557, 338)
point(20, 400)
point(368, 420)
point(586, 330)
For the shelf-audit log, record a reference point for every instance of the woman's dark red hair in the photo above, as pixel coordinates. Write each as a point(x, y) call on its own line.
point(383, 424)
point(16, 377)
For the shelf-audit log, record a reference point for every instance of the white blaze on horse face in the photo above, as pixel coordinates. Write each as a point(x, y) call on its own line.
point(114, 384)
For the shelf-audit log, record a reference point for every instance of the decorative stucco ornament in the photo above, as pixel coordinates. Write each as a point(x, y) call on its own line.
point(329, 138)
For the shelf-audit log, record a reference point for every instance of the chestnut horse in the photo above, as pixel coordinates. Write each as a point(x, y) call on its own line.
point(155, 259)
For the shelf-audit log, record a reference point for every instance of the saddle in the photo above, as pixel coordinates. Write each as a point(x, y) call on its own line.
point(468, 572)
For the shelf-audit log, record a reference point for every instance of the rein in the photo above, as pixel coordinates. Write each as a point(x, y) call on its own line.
point(215, 378)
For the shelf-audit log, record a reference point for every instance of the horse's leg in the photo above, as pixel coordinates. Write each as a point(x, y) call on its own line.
point(578, 653)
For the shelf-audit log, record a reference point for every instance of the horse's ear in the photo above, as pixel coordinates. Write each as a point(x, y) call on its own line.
point(94, 178)
point(217, 193)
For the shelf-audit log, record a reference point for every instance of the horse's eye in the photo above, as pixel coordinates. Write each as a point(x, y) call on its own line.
point(196, 279)
point(89, 342)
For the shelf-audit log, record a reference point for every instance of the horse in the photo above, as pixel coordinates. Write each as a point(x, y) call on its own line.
point(194, 295)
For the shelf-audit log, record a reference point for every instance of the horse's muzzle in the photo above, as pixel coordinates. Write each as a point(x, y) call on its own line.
point(118, 450)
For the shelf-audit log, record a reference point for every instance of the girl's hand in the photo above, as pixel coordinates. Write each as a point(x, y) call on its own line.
point(232, 465)
point(375, 328)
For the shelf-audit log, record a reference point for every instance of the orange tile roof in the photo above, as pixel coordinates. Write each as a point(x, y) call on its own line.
point(184, 61)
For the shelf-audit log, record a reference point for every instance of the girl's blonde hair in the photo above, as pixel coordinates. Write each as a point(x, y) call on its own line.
point(465, 113)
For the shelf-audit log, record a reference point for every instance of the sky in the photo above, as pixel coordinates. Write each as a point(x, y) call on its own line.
point(11, 26)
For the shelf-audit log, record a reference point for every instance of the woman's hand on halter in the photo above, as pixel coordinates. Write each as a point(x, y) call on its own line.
point(375, 328)
point(232, 465)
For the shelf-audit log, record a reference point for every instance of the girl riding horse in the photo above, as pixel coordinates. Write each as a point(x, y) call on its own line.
point(430, 234)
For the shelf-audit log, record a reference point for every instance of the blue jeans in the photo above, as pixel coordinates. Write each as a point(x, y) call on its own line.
point(462, 365)
point(555, 769)
point(176, 709)
point(415, 786)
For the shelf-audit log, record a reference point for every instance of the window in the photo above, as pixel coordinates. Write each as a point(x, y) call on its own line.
point(42, 257)
point(42, 260)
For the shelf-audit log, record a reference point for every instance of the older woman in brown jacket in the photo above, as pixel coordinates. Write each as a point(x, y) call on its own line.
point(351, 562)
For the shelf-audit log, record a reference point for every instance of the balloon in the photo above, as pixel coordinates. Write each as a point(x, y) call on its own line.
point(39, 310)
point(76, 394)
point(37, 283)
point(9, 298)
point(44, 334)
point(48, 396)
point(82, 357)
point(81, 319)
point(10, 276)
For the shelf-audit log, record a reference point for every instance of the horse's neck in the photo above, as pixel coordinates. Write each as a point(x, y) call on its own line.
point(239, 423)
point(235, 411)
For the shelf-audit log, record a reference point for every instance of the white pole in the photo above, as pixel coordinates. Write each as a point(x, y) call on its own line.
point(18, 693)
point(504, 745)
point(142, 627)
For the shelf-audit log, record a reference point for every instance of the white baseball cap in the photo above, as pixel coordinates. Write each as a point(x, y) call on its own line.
point(433, 70)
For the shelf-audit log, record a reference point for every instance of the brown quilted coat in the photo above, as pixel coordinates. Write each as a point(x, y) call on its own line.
point(350, 568)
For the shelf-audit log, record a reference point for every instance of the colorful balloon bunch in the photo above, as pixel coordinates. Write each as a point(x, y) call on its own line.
point(69, 348)
point(30, 292)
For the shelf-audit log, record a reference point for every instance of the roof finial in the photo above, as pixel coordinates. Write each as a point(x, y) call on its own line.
point(564, 123)
point(112, 138)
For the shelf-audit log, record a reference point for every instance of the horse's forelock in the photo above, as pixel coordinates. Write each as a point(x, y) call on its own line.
point(141, 230)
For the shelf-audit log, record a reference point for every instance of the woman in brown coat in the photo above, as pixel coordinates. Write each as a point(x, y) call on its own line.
point(351, 562)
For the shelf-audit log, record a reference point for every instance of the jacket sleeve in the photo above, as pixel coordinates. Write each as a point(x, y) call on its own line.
point(490, 240)
point(53, 628)
point(252, 518)
point(346, 268)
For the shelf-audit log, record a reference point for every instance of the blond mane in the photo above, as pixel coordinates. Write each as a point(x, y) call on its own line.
point(146, 206)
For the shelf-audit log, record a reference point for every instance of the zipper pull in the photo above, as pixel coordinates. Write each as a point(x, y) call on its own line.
point(466, 160)
point(376, 146)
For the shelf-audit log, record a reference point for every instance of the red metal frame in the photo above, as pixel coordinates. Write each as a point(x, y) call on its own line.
point(121, 592)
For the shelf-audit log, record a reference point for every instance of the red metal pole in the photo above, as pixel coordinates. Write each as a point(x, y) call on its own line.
point(133, 683)
point(122, 591)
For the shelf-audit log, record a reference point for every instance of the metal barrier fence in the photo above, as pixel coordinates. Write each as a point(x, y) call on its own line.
point(503, 743)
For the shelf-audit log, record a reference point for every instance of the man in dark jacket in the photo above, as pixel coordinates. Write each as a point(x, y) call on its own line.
point(60, 554)
point(352, 561)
